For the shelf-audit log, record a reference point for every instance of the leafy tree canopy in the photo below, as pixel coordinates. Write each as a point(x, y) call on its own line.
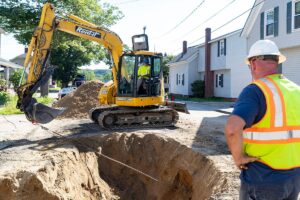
point(166, 60)
point(68, 52)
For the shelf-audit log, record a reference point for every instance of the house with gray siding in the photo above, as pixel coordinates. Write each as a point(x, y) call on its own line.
point(279, 21)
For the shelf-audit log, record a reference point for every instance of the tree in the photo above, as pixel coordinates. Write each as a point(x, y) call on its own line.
point(165, 67)
point(89, 74)
point(68, 52)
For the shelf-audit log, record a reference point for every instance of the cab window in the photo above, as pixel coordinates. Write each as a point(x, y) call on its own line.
point(126, 76)
point(156, 67)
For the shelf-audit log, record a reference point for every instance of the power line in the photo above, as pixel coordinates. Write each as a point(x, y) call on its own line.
point(212, 16)
point(184, 19)
point(228, 22)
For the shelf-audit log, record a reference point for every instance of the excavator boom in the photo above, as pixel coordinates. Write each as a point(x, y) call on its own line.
point(36, 61)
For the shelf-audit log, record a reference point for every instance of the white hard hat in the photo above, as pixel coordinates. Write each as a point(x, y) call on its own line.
point(264, 47)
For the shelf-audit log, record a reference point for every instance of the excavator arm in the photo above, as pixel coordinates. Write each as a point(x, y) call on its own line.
point(37, 59)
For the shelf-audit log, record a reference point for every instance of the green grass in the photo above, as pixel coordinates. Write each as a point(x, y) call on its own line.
point(56, 89)
point(10, 107)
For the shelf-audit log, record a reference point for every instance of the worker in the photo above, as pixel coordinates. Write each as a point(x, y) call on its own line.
point(143, 76)
point(263, 131)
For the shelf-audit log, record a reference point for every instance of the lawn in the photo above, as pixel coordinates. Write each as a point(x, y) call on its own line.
point(10, 107)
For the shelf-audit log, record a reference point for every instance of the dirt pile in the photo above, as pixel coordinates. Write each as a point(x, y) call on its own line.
point(73, 171)
point(65, 174)
point(79, 102)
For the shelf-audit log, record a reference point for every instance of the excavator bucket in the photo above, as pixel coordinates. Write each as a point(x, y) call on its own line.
point(178, 106)
point(40, 113)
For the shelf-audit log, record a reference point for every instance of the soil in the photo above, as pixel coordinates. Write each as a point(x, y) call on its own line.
point(79, 102)
point(73, 158)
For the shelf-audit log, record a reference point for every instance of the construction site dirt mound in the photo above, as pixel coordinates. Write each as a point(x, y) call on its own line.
point(79, 102)
point(71, 169)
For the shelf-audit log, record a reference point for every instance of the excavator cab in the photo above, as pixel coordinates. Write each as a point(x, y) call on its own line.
point(140, 75)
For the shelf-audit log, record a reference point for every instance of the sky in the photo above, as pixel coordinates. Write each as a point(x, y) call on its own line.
point(168, 23)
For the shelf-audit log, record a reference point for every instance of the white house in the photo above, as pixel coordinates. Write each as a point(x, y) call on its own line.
point(279, 21)
point(183, 71)
point(227, 54)
point(6, 67)
point(231, 74)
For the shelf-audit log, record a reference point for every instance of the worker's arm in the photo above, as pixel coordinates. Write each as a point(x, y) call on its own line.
point(234, 137)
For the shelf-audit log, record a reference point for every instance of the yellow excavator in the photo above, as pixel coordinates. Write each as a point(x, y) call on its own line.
point(129, 100)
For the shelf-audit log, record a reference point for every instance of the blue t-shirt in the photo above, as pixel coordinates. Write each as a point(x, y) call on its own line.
point(251, 106)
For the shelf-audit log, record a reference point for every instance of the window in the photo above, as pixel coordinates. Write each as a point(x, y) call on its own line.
point(269, 22)
point(157, 67)
point(296, 14)
point(182, 82)
point(222, 47)
point(219, 80)
point(178, 79)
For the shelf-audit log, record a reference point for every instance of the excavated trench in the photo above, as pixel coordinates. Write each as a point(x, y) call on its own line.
point(73, 170)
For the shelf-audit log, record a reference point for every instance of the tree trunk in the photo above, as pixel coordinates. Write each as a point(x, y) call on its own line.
point(45, 89)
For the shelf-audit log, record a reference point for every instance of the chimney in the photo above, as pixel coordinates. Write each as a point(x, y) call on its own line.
point(184, 47)
point(26, 49)
point(209, 75)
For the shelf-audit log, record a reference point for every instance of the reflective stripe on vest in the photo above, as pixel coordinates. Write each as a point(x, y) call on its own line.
point(274, 135)
point(277, 102)
point(275, 139)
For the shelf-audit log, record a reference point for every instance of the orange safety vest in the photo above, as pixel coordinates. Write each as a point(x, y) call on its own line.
point(275, 139)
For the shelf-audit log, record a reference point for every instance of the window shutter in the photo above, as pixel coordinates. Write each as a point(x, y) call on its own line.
point(262, 25)
point(218, 48)
point(221, 80)
point(225, 47)
point(216, 80)
point(276, 21)
point(182, 79)
point(176, 79)
point(289, 17)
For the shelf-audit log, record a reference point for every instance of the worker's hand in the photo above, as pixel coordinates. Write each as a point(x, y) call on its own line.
point(242, 161)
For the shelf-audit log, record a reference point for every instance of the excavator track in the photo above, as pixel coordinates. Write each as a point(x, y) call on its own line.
point(118, 118)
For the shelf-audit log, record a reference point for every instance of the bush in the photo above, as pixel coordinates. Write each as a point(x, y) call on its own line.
point(198, 88)
point(15, 78)
point(3, 86)
point(4, 97)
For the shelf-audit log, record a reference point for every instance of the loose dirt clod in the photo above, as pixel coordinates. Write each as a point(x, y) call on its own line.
point(79, 102)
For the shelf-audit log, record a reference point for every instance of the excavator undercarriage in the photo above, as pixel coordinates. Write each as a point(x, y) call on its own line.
point(116, 117)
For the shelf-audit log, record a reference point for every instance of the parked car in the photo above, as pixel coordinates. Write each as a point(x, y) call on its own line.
point(64, 91)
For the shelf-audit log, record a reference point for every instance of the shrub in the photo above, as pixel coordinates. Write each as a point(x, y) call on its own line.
point(15, 78)
point(3, 86)
point(4, 97)
point(198, 88)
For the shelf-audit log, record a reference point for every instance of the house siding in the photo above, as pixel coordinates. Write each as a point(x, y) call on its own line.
point(201, 59)
point(283, 40)
point(235, 61)
point(217, 63)
point(179, 88)
point(224, 91)
point(289, 44)
point(193, 75)
point(290, 68)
